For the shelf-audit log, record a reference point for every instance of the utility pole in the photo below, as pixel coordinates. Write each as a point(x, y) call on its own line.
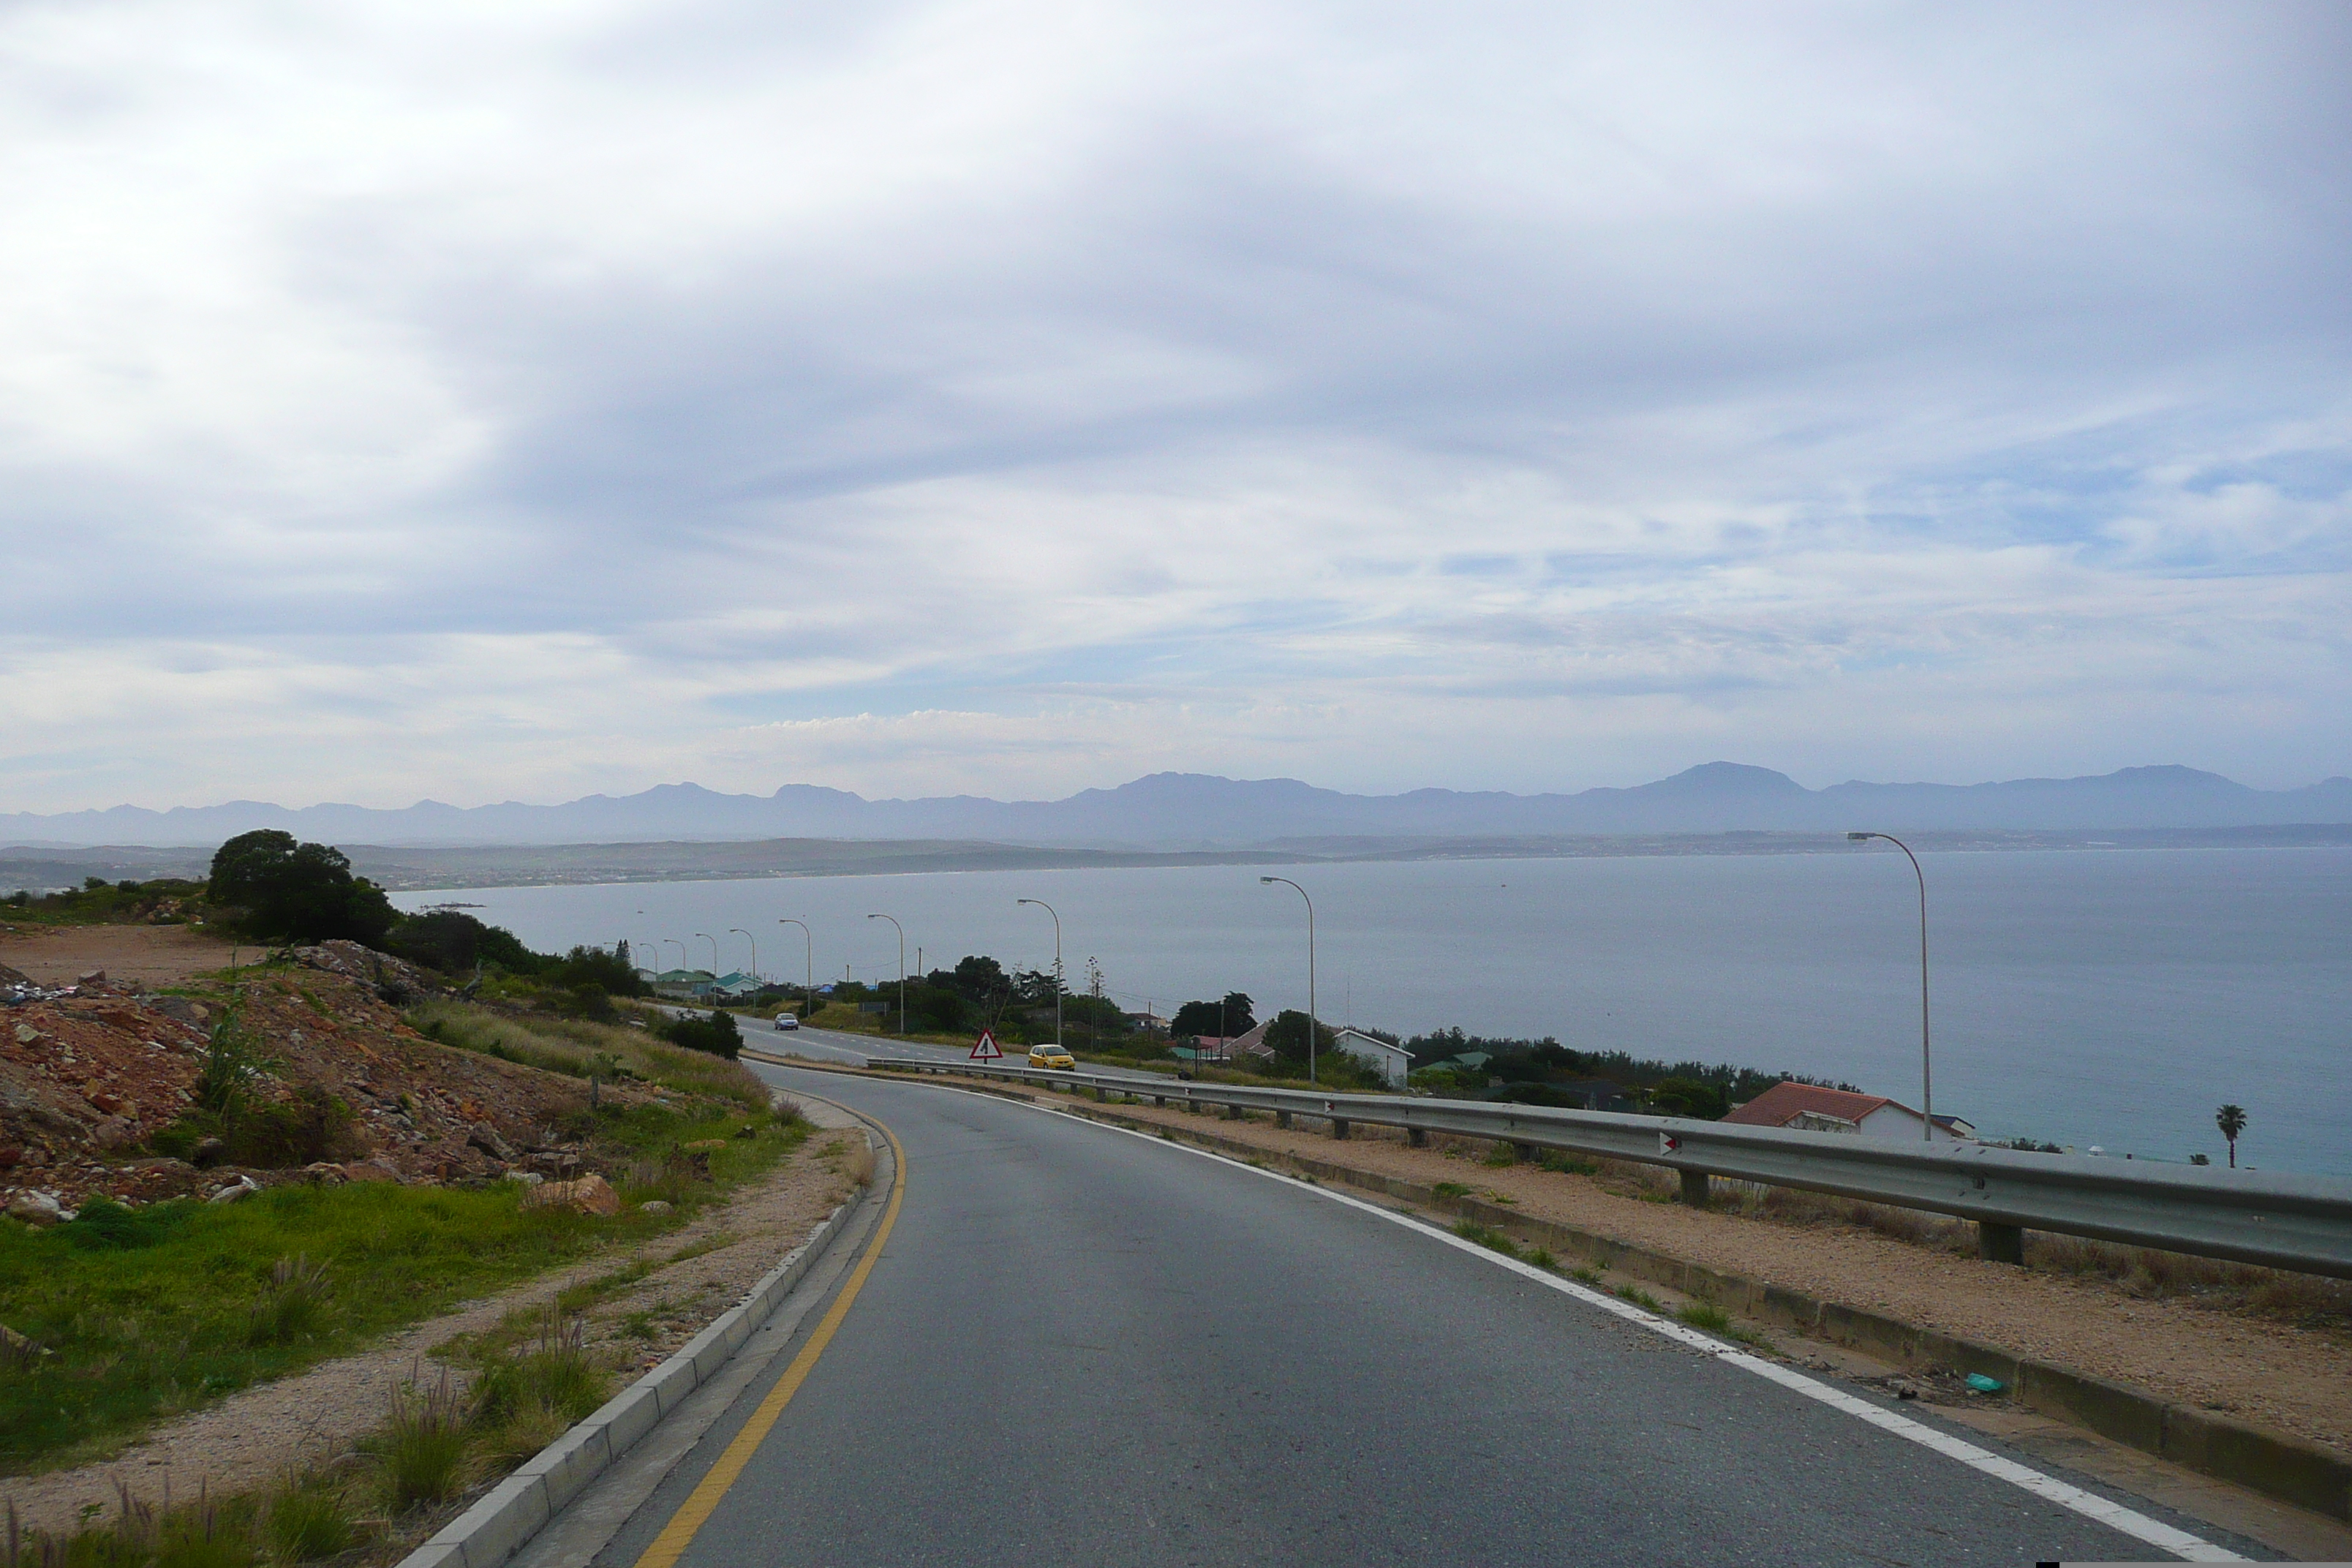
point(902, 967)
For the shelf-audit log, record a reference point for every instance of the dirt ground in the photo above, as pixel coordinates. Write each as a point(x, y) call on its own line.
point(2271, 1374)
point(254, 1437)
point(138, 954)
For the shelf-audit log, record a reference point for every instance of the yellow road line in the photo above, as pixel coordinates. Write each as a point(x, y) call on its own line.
point(678, 1534)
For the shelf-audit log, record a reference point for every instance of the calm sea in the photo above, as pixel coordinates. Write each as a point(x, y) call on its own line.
point(2108, 997)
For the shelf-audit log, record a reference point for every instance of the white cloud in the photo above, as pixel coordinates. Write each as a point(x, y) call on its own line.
point(427, 400)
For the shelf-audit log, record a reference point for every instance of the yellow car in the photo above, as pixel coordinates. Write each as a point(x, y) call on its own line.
point(1051, 1057)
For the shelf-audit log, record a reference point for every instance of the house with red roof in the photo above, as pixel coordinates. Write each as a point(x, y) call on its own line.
point(1810, 1108)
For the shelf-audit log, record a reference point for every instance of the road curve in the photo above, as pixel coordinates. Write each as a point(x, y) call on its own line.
point(1082, 1346)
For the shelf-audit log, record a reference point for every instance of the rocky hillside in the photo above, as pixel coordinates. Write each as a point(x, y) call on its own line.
point(97, 1081)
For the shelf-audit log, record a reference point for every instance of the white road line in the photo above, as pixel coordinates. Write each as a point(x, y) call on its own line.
point(2113, 1515)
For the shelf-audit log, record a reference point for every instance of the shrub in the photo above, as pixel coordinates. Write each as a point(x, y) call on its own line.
point(715, 1036)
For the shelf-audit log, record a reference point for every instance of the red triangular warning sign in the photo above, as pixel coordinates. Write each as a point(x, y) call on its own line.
point(985, 1049)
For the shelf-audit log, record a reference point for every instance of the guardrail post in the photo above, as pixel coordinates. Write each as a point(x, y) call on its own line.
point(1160, 1101)
point(1234, 1113)
point(1102, 1095)
point(1339, 1128)
point(2001, 1243)
point(1417, 1137)
point(1282, 1119)
point(1525, 1153)
point(1694, 1188)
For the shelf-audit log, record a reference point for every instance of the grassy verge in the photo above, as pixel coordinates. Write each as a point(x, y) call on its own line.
point(439, 1444)
point(141, 1314)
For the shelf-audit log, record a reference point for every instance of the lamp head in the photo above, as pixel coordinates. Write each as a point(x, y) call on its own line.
point(1858, 838)
point(873, 917)
point(1267, 881)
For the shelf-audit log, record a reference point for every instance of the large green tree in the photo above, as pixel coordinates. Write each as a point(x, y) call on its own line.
point(1229, 1018)
point(289, 891)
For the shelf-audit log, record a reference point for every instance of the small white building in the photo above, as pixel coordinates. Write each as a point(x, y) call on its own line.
point(1392, 1061)
point(1810, 1108)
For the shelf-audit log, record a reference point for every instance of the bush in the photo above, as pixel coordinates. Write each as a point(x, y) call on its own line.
point(715, 1036)
point(455, 943)
point(1687, 1097)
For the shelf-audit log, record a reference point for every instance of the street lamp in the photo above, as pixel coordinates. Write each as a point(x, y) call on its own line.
point(1927, 1077)
point(1057, 966)
point(902, 967)
point(681, 950)
point(739, 931)
point(1310, 969)
point(714, 957)
point(808, 985)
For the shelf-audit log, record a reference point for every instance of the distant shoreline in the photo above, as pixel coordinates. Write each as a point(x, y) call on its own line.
point(404, 868)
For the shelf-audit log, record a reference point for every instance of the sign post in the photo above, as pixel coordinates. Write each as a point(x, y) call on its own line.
point(985, 1049)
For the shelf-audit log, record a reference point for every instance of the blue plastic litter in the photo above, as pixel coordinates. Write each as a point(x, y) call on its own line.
point(1980, 1383)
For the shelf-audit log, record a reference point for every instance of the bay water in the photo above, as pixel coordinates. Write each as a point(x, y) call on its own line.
point(2084, 998)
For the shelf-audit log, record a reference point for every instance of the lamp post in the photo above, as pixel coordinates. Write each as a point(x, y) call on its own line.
point(714, 957)
point(681, 950)
point(808, 1002)
point(1926, 1076)
point(739, 931)
point(1310, 969)
point(1057, 966)
point(902, 967)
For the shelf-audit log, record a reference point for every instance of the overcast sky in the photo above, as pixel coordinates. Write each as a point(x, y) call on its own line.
point(493, 402)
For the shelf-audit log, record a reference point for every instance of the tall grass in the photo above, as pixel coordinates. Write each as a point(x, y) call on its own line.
point(424, 1447)
point(579, 1049)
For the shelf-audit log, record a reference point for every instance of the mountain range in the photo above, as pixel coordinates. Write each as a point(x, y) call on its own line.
point(1202, 812)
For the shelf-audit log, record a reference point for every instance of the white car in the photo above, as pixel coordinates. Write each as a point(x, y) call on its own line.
point(787, 1021)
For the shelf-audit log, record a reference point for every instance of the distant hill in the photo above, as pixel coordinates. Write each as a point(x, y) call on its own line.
point(1200, 812)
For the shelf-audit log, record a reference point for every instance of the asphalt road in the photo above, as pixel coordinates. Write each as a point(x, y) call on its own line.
point(856, 1050)
point(1081, 1346)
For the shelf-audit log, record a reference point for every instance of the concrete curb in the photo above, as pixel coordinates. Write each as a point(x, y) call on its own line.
point(2276, 1464)
point(512, 1512)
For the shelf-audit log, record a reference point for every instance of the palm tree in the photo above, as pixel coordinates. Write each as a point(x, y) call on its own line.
point(2232, 1121)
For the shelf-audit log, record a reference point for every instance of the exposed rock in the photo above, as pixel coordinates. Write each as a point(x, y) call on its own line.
point(589, 1195)
point(483, 1136)
point(527, 1178)
point(369, 1171)
point(90, 977)
point(26, 1033)
point(34, 1209)
point(325, 1174)
point(208, 1152)
point(180, 1009)
point(655, 1206)
point(364, 964)
point(241, 1187)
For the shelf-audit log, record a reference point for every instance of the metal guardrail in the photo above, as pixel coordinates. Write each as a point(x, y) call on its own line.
point(2282, 1221)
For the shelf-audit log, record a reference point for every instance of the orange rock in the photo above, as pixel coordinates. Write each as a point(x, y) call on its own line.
point(589, 1195)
